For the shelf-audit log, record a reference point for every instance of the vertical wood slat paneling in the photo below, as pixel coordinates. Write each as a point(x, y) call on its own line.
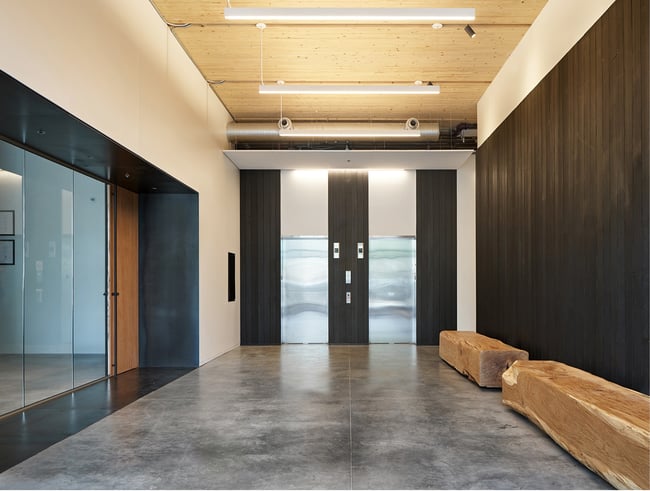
point(348, 224)
point(562, 208)
point(260, 257)
point(436, 254)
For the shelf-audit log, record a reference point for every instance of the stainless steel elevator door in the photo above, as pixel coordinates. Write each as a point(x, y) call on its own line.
point(391, 290)
point(304, 290)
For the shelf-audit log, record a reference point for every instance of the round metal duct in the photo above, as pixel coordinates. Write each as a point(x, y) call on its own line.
point(335, 131)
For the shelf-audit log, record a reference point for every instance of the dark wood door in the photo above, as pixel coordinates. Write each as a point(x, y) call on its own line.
point(126, 281)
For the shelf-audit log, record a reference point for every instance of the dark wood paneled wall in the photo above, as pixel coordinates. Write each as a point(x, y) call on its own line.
point(562, 208)
point(260, 256)
point(348, 224)
point(169, 280)
point(436, 254)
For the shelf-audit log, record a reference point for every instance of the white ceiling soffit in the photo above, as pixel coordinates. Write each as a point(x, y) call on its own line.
point(348, 159)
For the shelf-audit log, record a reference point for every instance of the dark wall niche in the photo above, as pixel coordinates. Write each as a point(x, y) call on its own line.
point(231, 277)
point(562, 208)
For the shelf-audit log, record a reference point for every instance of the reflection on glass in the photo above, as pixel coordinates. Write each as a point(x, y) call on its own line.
point(304, 290)
point(48, 279)
point(90, 280)
point(11, 281)
point(52, 321)
point(391, 290)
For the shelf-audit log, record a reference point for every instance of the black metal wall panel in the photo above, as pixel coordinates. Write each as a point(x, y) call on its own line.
point(260, 256)
point(348, 225)
point(169, 280)
point(562, 208)
point(436, 254)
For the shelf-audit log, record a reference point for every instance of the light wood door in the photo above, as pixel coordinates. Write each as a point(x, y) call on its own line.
point(126, 280)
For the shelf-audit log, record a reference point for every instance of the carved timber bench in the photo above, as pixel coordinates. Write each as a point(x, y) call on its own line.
point(481, 358)
point(603, 425)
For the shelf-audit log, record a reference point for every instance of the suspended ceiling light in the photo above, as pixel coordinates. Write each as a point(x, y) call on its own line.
point(414, 15)
point(352, 133)
point(350, 89)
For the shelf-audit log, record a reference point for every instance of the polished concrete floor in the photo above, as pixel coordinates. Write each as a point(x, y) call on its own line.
point(311, 416)
point(25, 433)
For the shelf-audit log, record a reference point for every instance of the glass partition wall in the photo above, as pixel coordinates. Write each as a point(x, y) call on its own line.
point(52, 278)
point(12, 163)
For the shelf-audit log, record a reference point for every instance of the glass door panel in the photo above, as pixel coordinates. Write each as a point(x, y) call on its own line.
point(48, 278)
point(304, 290)
point(391, 290)
point(89, 338)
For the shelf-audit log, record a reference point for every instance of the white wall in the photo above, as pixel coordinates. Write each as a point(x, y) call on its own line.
point(466, 245)
point(115, 65)
point(303, 202)
point(559, 26)
point(391, 202)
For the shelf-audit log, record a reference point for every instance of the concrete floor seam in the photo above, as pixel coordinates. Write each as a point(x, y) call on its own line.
point(350, 406)
point(276, 418)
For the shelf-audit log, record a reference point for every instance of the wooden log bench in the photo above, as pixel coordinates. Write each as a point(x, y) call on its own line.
point(603, 425)
point(481, 358)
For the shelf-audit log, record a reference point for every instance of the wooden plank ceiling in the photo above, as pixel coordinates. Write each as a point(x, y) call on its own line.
point(350, 54)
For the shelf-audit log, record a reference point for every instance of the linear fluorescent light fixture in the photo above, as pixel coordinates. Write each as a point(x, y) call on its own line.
point(417, 15)
point(350, 89)
point(355, 133)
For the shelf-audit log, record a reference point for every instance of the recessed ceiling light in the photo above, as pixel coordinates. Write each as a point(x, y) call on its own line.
point(437, 25)
point(40, 131)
